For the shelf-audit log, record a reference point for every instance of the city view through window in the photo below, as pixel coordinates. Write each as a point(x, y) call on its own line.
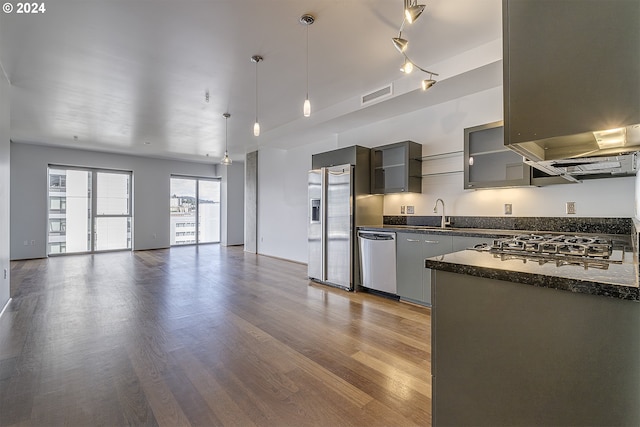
point(89, 210)
point(195, 211)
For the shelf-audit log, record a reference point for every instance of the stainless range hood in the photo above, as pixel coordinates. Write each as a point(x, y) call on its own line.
point(604, 142)
point(599, 154)
point(590, 167)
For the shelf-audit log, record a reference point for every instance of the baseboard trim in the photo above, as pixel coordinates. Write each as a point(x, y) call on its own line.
point(5, 306)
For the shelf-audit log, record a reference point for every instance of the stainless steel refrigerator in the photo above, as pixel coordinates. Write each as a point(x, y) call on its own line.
point(339, 202)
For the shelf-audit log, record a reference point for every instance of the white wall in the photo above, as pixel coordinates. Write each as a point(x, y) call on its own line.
point(282, 200)
point(150, 193)
point(441, 129)
point(5, 177)
point(283, 176)
point(232, 203)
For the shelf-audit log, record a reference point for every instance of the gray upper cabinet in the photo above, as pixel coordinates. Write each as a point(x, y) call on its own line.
point(570, 67)
point(488, 163)
point(396, 168)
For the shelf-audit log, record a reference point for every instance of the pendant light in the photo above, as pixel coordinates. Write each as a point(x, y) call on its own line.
point(256, 126)
point(307, 20)
point(226, 161)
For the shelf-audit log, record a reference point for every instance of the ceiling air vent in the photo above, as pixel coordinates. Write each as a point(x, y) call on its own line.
point(377, 95)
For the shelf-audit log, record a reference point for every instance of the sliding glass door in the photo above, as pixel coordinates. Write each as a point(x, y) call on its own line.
point(194, 206)
point(89, 210)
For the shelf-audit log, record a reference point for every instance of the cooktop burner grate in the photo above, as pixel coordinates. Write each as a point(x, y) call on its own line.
point(595, 252)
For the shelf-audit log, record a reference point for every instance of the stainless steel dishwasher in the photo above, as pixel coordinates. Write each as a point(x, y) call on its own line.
point(378, 260)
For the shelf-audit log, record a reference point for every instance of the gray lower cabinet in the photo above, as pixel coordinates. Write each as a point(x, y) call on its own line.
point(414, 281)
point(507, 353)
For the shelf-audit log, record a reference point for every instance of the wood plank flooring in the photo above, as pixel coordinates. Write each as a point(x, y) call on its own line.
point(205, 336)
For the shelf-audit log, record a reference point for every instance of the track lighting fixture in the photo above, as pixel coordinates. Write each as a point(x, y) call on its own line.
point(307, 20)
point(412, 10)
point(226, 161)
point(256, 126)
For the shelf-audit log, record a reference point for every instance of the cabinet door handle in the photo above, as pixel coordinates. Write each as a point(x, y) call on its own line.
point(435, 242)
point(413, 240)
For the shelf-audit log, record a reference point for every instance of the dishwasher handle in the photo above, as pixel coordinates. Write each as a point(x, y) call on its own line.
point(376, 236)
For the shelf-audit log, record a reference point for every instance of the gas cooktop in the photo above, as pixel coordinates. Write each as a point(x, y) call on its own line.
point(586, 251)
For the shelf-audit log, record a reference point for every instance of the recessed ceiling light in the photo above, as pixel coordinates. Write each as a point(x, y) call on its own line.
point(75, 137)
point(147, 143)
point(611, 138)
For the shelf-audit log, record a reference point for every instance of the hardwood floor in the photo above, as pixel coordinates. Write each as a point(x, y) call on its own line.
point(205, 336)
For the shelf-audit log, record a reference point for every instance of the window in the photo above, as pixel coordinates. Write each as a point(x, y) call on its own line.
point(194, 206)
point(89, 210)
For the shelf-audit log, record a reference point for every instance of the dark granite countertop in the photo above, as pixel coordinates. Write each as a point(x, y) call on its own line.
point(617, 281)
point(450, 231)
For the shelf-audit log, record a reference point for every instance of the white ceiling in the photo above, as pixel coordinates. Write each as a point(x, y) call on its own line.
point(121, 73)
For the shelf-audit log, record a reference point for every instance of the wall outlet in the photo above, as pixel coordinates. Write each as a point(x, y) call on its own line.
point(33, 242)
point(402, 210)
point(410, 210)
point(154, 236)
point(571, 208)
point(508, 209)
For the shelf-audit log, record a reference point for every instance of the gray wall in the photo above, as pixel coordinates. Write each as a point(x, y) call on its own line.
point(232, 201)
point(150, 193)
point(251, 203)
point(4, 189)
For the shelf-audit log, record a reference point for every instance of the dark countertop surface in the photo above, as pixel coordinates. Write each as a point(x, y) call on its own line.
point(451, 231)
point(616, 281)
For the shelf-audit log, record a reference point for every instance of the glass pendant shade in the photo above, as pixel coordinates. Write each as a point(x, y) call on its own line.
point(226, 161)
point(256, 129)
point(400, 44)
point(412, 13)
point(306, 108)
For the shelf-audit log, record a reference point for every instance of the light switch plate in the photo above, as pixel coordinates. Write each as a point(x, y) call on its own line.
point(401, 210)
point(410, 210)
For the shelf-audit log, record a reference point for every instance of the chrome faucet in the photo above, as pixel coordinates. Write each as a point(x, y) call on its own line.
point(443, 222)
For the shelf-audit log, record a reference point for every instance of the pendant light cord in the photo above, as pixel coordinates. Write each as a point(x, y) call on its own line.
point(256, 91)
point(307, 61)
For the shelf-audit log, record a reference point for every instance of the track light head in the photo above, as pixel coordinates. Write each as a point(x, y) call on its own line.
point(400, 44)
point(407, 67)
point(413, 12)
point(427, 83)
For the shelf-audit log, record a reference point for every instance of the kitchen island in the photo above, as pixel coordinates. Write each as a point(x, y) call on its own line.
point(518, 342)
